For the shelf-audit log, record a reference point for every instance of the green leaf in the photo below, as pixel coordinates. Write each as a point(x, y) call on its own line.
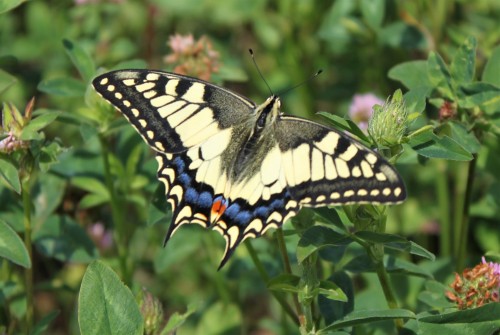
point(331, 216)
point(220, 318)
point(106, 305)
point(34, 125)
point(6, 80)
point(332, 310)
point(464, 61)
point(480, 94)
point(64, 87)
point(439, 75)
point(418, 250)
point(284, 283)
point(345, 124)
point(42, 326)
point(12, 247)
point(478, 321)
point(428, 144)
point(373, 12)
point(93, 200)
point(60, 237)
point(359, 317)
point(6, 5)
point(397, 265)
point(460, 134)
point(92, 185)
point(411, 74)
point(158, 207)
point(434, 295)
point(176, 320)
point(81, 59)
point(415, 99)
point(331, 291)
point(318, 237)
point(492, 68)
point(9, 175)
point(402, 36)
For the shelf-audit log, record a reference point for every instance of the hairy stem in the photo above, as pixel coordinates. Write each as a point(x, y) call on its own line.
point(265, 277)
point(446, 236)
point(464, 224)
point(28, 272)
point(117, 215)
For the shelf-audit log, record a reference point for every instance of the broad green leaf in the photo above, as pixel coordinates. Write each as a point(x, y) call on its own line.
point(411, 74)
point(483, 320)
point(6, 80)
point(359, 317)
point(418, 250)
point(373, 12)
point(158, 206)
point(428, 144)
point(460, 134)
point(9, 175)
point(333, 310)
point(330, 215)
point(415, 99)
point(331, 291)
point(318, 237)
point(6, 5)
point(397, 265)
point(439, 75)
point(345, 124)
point(81, 59)
point(480, 94)
point(93, 200)
point(284, 283)
point(106, 305)
point(434, 295)
point(463, 63)
point(60, 237)
point(492, 68)
point(42, 326)
point(92, 185)
point(12, 247)
point(176, 320)
point(403, 36)
point(383, 238)
point(220, 318)
point(64, 87)
point(37, 123)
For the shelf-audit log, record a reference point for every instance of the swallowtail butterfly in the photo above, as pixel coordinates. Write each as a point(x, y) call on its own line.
point(241, 168)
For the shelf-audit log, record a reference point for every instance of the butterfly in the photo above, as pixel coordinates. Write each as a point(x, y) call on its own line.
point(241, 168)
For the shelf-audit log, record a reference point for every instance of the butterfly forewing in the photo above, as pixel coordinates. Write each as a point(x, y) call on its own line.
point(224, 173)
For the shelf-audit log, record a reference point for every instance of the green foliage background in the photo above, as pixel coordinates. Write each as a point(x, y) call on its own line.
point(91, 168)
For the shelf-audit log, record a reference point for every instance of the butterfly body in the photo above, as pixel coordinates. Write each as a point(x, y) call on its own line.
point(240, 168)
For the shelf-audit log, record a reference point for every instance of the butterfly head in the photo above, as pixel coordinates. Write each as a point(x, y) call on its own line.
point(268, 112)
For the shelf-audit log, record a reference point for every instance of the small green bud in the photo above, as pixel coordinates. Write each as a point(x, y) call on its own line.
point(151, 311)
point(388, 123)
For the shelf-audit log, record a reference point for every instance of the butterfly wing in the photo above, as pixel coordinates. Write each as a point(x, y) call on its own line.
point(327, 167)
point(172, 112)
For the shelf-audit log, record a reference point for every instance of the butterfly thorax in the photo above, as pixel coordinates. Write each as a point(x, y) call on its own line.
point(253, 145)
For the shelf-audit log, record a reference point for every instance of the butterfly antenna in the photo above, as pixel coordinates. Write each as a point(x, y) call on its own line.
point(301, 83)
point(260, 73)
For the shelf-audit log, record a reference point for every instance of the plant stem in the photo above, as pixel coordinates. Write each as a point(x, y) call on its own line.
point(446, 235)
point(287, 266)
point(116, 213)
point(28, 272)
point(460, 190)
point(265, 277)
point(309, 282)
point(464, 226)
point(390, 297)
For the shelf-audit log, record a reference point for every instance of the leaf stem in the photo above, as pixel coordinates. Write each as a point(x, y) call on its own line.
point(287, 266)
point(28, 272)
point(390, 297)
